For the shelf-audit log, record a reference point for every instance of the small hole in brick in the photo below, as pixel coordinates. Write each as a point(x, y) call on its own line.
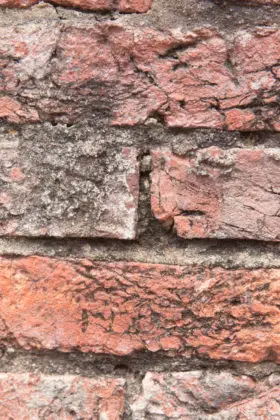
point(192, 213)
point(122, 368)
point(235, 301)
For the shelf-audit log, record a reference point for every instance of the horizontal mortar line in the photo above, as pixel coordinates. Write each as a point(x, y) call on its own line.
point(128, 17)
point(139, 135)
point(208, 253)
point(92, 365)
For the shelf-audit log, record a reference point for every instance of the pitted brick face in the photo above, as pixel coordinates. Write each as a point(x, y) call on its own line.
point(124, 307)
point(218, 193)
point(207, 396)
point(124, 6)
point(139, 209)
point(67, 188)
point(128, 75)
point(33, 396)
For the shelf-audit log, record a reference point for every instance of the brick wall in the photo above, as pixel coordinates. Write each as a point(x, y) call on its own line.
point(139, 209)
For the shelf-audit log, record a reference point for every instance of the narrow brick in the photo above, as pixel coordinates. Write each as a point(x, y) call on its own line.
point(125, 6)
point(128, 75)
point(67, 188)
point(207, 396)
point(33, 396)
point(120, 308)
point(218, 193)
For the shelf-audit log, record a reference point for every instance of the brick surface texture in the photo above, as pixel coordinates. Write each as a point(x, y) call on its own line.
point(31, 396)
point(118, 308)
point(218, 194)
point(72, 189)
point(124, 6)
point(273, 2)
point(139, 210)
point(192, 79)
point(197, 395)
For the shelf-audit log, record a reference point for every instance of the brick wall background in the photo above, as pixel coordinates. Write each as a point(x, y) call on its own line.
point(139, 209)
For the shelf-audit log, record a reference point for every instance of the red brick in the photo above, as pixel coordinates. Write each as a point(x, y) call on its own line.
point(130, 6)
point(30, 396)
point(125, 6)
point(15, 112)
point(263, 406)
point(67, 188)
point(218, 193)
point(191, 80)
point(120, 308)
point(185, 394)
point(193, 395)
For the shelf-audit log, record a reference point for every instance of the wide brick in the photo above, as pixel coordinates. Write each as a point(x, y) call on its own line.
point(30, 396)
point(59, 187)
point(125, 6)
point(121, 307)
point(128, 75)
point(199, 395)
point(217, 193)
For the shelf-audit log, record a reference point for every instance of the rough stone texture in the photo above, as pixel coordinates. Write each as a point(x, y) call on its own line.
point(84, 97)
point(125, 6)
point(192, 79)
point(29, 396)
point(119, 308)
point(195, 395)
point(218, 194)
point(185, 395)
point(130, 6)
point(264, 406)
point(260, 1)
point(67, 188)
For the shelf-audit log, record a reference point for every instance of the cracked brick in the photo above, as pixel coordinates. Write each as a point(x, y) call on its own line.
point(218, 193)
point(194, 79)
point(66, 188)
point(204, 396)
point(123, 307)
point(27, 395)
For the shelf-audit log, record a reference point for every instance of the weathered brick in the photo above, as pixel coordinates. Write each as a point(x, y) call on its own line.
point(67, 188)
point(126, 6)
point(273, 2)
point(130, 6)
point(189, 395)
point(218, 193)
point(198, 395)
point(263, 406)
point(192, 79)
point(16, 112)
point(30, 396)
point(119, 308)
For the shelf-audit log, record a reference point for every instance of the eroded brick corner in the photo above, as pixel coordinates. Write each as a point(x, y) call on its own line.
point(217, 193)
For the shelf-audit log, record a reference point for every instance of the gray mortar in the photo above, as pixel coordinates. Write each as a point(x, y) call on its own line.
point(154, 244)
point(224, 15)
point(132, 369)
point(152, 249)
point(55, 363)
